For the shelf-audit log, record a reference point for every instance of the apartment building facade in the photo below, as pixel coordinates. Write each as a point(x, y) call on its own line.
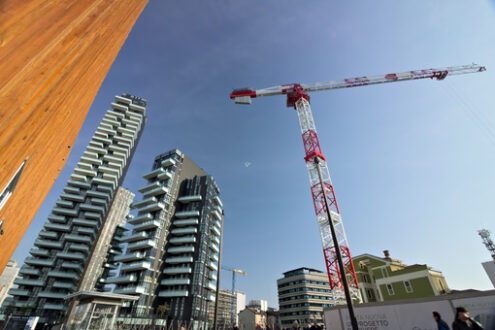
point(303, 293)
point(224, 313)
point(171, 257)
point(64, 247)
point(385, 279)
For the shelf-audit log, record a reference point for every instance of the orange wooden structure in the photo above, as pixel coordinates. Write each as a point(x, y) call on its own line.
point(54, 55)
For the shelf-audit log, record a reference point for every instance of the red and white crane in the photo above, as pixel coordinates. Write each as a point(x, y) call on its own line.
point(319, 176)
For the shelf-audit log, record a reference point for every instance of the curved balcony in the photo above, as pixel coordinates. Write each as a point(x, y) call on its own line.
point(130, 290)
point(168, 162)
point(191, 198)
point(175, 281)
point(186, 214)
point(156, 192)
point(183, 240)
point(141, 245)
point(144, 202)
point(147, 225)
point(212, 265)
point(179, 260)
point(185, 222)
point(129, 257)
point(217, 200)
point(122, 279)
point(152, 207)
point(151, 186)
point(215, 230)
point(180, 249)
point(153, 173)
point(184, 231)
point(173, 293)
point(177, 270)
point(136, 266)
point(140, 218)
point(135, 237)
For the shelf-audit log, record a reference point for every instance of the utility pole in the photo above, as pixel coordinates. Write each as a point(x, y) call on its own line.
point(348, 298)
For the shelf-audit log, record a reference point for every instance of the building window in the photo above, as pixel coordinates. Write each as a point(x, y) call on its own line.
point(9, 189)
point(369, 294)
point(408, 286)
point(384, 273)
point(441, 286)
point(390, 290)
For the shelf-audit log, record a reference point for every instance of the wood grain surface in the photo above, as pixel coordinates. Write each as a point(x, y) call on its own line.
point(54, 55)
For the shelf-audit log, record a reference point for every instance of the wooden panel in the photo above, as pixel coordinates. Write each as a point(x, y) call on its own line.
point(54, 55)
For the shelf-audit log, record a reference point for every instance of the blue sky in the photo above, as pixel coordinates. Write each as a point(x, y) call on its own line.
point(411, 164)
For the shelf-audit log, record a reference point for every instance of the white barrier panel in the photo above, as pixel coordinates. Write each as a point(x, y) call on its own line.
point(407, 316)
point(482, 309)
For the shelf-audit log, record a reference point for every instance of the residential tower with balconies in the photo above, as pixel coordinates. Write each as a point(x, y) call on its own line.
point(62, 252)
point(171, 258)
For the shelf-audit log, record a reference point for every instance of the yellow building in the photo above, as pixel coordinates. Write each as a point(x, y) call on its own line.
point(385, 279)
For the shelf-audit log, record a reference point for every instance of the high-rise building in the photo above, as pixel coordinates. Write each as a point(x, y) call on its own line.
point(7, 279)
point(302, 295)
point(171, 259)
point(54, 56)
point(385, 279)
point(240, 304)
point(101, 261)
point(64, 247)
point(103, 252)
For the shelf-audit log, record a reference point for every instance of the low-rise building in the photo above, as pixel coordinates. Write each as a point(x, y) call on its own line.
point(302, 295)
point(384, 279)
point(224, 310)
point(251, 318)
point(273, 319)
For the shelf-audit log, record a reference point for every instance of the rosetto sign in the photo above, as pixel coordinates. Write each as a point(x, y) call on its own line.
point(414, 314)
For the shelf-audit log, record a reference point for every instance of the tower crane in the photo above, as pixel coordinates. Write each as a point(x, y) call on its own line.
point(234, 271)
point(338, 261)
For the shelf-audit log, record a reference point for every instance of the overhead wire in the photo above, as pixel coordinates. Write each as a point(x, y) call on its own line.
point(478, 118)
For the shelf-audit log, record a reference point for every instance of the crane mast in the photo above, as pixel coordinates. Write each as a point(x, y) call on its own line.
point(342, 277)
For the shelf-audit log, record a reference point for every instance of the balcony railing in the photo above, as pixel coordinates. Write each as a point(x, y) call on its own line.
point(183, 240)
point(175, 281)
point(186, 214)
point(147, 225)
point(177, 270)
point(191, 198)
point(181, 249)
point(173, 293)
point(141, 244)
point(179, 260)
point(129, 257)
point(122, 279)
point(185, 222)
point(136, 266)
